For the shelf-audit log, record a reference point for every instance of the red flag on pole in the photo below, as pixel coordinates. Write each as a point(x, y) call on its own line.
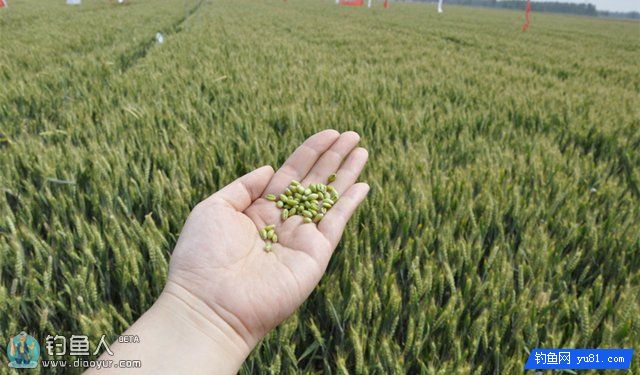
point(3, 3)
point(352, 3)
point(527, 10)
point(386, 3)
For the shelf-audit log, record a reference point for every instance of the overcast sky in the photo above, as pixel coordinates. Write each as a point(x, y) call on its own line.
point(613, 5)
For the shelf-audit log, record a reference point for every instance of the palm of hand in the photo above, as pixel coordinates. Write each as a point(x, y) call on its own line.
point(220, 257)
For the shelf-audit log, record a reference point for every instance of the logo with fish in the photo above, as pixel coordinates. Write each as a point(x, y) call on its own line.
point(23, 351)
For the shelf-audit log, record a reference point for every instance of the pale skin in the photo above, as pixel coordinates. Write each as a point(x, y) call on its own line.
point(224, 292)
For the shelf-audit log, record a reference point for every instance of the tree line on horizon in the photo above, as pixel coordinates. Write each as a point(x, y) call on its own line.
point(583, 9)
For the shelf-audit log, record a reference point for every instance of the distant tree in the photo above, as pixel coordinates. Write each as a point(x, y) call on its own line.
point(584, 9)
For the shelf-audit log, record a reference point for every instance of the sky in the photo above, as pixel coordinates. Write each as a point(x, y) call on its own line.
point(611, 5)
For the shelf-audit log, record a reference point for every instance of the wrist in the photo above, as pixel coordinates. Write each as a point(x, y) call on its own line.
point(197, 327)
point(180, 334)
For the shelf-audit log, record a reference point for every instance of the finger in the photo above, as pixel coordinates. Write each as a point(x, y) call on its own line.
point(348, 173)
point(240, 193)
point(334, 221)
point(303, 158)
point(330, 161)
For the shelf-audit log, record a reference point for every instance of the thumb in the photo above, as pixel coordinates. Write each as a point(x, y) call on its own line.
point(242, 192)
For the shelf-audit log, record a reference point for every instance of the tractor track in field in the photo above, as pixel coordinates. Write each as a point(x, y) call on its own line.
point(33, 109)
point(131, 58)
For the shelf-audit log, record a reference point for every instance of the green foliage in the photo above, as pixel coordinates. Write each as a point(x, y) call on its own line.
point(505, 172)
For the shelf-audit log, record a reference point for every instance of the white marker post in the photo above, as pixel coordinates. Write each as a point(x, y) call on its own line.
point(369, 4)
point(439, 6)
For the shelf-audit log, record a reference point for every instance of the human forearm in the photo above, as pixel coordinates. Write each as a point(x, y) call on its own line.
point(181, 334)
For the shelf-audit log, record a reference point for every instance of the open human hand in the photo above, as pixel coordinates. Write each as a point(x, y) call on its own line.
point(220, 261)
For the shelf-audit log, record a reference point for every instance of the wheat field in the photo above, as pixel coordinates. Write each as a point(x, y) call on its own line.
point(504, 213)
